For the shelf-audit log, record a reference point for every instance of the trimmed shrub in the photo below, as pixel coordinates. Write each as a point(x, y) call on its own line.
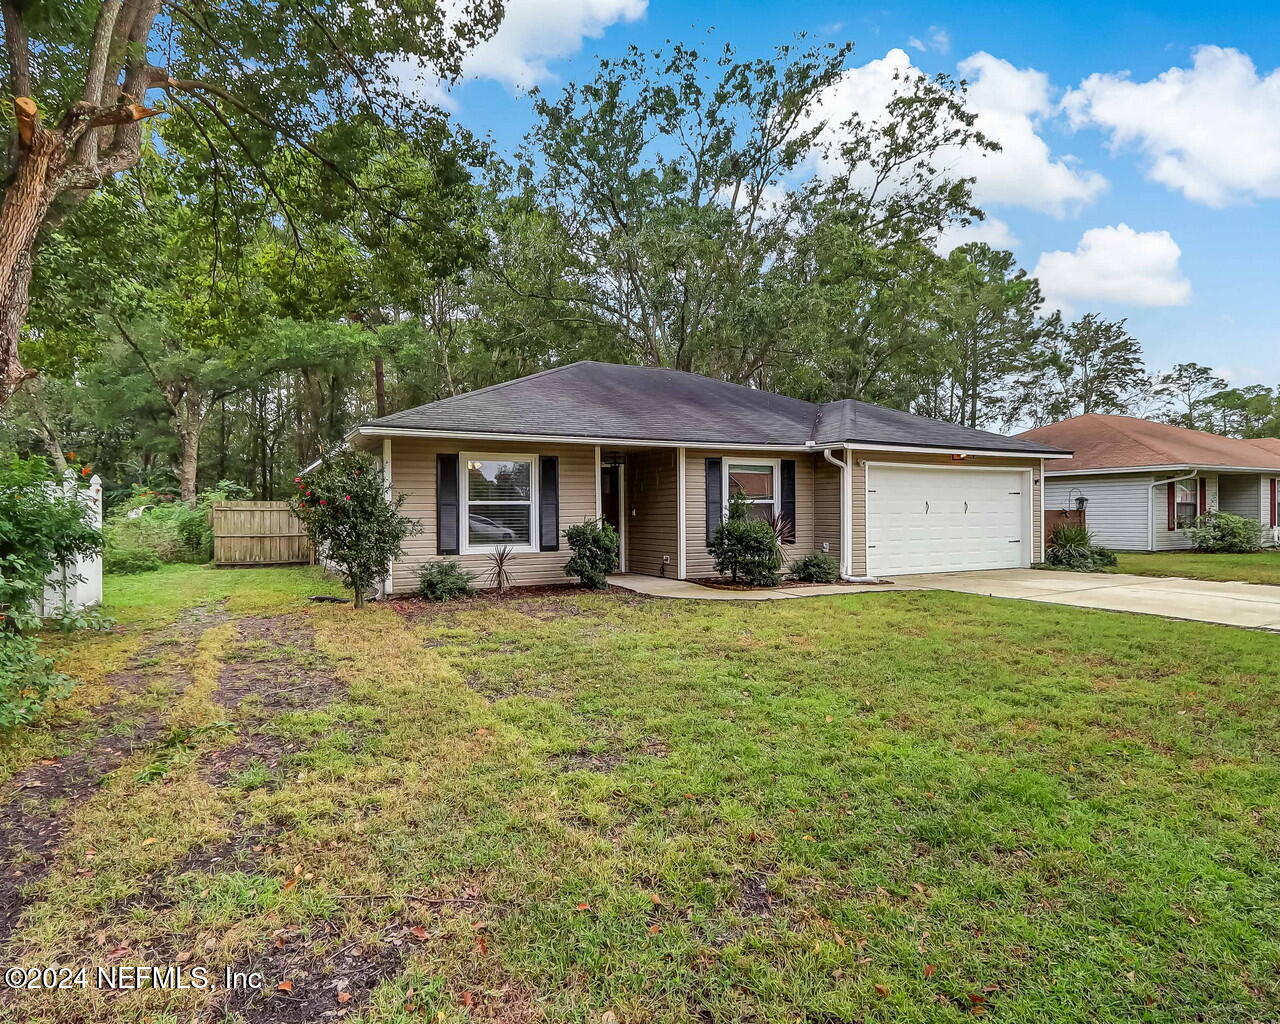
point(746, 549)
point(129, 561)
point(595, 552)
point(1223, 533)
point(815, 567)
point(1071, 548)
point(444, 581)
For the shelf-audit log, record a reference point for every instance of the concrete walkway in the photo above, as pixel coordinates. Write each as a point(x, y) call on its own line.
point(658, 586)
point(1250, 605)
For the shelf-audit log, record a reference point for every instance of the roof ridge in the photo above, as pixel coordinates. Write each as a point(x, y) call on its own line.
point(483, 390)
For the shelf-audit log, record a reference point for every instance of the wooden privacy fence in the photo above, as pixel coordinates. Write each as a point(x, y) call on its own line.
point(258, 533)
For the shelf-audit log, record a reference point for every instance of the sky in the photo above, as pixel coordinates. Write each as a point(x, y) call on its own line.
point(1140, 168)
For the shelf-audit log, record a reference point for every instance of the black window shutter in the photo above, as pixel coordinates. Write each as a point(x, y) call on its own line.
point(788, 475)
point(549, 503)
point(715, 497)
point(446, 504)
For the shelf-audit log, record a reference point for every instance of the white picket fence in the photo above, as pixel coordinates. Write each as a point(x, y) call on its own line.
point(79, 585)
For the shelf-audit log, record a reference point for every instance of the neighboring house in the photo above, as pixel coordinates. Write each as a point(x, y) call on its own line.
point(1145, 482)
point(657, 453)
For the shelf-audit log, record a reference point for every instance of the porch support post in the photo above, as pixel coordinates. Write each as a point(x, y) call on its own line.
point(680, 515)
point(386, 489)
point(599, 505)
point(846, 517)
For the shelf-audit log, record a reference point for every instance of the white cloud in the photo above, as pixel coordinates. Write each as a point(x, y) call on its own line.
point(938, 40)
point(1115, 265)
point(995, 232)
point(534, 32)
point(1010, 104)
point(1211, 131)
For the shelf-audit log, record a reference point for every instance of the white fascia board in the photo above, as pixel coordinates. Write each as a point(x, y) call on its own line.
point(631, 442)
point(1157, 469)
point(856, 446)
point(617, 442)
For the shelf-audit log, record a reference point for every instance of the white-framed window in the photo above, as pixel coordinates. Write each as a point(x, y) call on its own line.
point(499, 498)
point(756, 480)
point(1186, 502)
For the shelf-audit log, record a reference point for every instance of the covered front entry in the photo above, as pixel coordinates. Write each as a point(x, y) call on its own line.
point(947, 518)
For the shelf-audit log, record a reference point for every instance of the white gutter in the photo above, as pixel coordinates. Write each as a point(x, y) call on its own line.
point(1151, 503)
point(846, 520)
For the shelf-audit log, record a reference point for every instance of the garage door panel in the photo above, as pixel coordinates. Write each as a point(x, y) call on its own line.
point(938, 519)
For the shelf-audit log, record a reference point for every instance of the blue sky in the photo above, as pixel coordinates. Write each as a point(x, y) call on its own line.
point(1141, 166)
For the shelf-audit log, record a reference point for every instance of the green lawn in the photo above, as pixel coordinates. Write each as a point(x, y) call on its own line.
point(1260, 567)
point(916, 806)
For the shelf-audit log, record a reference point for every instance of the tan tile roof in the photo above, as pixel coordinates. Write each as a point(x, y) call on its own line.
point(1117, 442)
point(1270, 444)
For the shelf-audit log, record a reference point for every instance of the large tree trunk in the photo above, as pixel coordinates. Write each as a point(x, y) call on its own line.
point(189, 414)
point(36, 182)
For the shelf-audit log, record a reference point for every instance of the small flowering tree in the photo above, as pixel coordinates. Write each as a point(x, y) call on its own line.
point(344, 509)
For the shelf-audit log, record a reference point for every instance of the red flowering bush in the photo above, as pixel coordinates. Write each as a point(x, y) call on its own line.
point(344, 509)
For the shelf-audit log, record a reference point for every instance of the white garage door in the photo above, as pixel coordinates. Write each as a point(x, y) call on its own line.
point(945, 519)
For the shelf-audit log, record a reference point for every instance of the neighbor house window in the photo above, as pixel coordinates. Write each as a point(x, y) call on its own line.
point(757, 484)
point(498, 501)
point(1187, 502)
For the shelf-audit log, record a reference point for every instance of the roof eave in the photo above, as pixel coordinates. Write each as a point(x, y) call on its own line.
point(382, 430)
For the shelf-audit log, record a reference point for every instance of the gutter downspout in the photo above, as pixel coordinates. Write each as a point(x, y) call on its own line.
point(1151, 502)
point(846, 521)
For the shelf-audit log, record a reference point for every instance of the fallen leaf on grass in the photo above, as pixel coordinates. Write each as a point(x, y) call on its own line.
point(285, 986)
point(418, 932)
point(654, 929)
point(929, 970)
point(584, 906)
point(481, 944)
point(289, 883)
point(656, 899)
point(344, 997)
point(882, 990)
point(149, 840)
point(468, 999)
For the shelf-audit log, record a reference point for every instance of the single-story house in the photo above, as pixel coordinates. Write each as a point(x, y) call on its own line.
point(657, 453)
point(1144, 482)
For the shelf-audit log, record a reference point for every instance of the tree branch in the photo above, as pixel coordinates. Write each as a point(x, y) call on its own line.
point(18, 48)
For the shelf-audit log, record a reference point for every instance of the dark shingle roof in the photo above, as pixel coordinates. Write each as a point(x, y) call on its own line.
point(640, 403)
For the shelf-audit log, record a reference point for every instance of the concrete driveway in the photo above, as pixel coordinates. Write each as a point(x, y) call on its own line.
point(1233, 604)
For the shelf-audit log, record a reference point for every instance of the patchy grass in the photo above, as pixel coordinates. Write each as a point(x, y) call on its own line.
point(1259, 567)
point(880, 807)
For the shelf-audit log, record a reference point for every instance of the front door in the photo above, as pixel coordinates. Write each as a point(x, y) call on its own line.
point(611, 496)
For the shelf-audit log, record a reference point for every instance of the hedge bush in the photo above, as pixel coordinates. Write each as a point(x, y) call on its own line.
point(119, 561)
point(1223, 533)
point(746, 549)
point(815, 567)
point(595, 552)
point(444, 581)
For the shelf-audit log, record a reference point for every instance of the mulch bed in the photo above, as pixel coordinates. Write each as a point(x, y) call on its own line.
point(720, 583)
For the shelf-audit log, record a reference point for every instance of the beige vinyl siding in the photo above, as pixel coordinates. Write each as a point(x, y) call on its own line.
point(858, 497)
point(413, 473)
point(1176, 540)
point(1118, 506)
point(651, 512)
point(698, 562)
point(826, 505)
